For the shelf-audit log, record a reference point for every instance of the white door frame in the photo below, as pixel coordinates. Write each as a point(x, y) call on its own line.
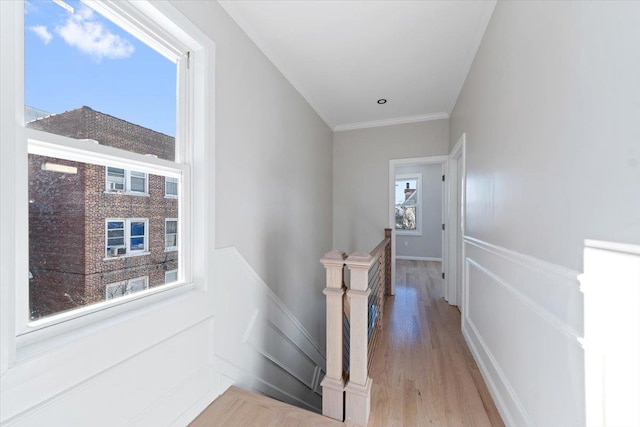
point(443, 160)
point(456, 231)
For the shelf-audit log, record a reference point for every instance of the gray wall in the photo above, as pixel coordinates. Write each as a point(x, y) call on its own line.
point(361, 176)
point(551, 110)
point(429, 245)
point(273, 169)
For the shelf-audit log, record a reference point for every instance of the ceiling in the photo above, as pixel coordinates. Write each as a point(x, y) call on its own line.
point(343, 56)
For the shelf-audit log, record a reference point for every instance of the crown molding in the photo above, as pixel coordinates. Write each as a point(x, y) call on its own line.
point(389, 122)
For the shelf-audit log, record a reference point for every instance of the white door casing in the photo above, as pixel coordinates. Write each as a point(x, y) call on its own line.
point(443, 160)
point(454, 267)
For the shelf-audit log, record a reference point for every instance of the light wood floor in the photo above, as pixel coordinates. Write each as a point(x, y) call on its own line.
point(240, 408)
point(423, 373)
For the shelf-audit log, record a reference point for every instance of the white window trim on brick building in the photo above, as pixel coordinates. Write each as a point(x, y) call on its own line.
point(161, 25)
point(123, 185)
point(170, 276)
point(126, 287)
point(167, 194)
point(166, 234)
point(127, 237)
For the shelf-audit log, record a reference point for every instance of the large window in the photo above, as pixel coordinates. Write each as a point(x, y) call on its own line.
point(408, 209)
point(105, 102)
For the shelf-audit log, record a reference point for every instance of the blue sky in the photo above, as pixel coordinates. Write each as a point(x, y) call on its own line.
point(81, 58)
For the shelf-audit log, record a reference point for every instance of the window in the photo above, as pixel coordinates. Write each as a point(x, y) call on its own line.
point(121, 180)
point(170, 187)
point(34, 32)
point(408, 209)
point(126, 237)
point(171, 276)
point(171, 234)
point(126, 287)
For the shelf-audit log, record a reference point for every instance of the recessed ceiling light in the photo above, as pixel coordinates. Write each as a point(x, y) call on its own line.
point(382, 101)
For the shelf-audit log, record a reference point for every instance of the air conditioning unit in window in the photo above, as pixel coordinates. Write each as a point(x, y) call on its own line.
point(114, 252)
point(116, 186)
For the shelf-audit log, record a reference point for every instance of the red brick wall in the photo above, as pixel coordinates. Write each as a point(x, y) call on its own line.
point(68, 216)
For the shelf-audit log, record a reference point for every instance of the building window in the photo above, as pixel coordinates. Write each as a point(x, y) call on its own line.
point(121, 180)
point(171, 234)
point(408, 208)
point(126, 287)
point(126, 237)
point(171, 187)
point(171, 276)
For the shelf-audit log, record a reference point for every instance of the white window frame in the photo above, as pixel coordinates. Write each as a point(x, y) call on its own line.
point(167, 195)
point(163, 26)
point(128, 189)
point(418, 178)
point(171, 248)
point(166, 273)
point(127, 238)
point(127, 289)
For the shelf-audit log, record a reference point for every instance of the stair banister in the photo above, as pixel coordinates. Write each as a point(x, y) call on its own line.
point(358, 389)
point(333, 382)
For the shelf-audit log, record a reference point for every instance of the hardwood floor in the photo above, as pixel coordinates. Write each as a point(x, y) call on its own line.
point(423, 373)
point(240, 408)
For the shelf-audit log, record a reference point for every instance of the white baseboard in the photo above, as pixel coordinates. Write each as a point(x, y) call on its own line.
point(418, 258)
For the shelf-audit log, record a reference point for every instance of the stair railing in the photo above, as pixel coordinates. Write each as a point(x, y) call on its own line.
point(368, 287)
point(334, 380)
point(353, 328)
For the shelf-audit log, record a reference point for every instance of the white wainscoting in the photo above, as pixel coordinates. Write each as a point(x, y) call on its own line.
point(259, 344)
point(132, 392)
point(523, 321)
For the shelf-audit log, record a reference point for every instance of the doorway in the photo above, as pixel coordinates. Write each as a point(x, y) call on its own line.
point(454, 291)
point(415, 224)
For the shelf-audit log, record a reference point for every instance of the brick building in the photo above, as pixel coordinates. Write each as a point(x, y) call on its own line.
point(98, 232)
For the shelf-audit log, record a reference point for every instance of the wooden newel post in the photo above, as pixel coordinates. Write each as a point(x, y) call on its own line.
point(358, 390)
point(333, 382)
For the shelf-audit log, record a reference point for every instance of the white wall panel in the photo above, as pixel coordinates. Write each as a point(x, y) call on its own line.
point(523, 322)
point(259, 344)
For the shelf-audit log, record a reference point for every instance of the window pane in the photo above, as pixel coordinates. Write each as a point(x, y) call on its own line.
point(405, 217)
point(137, 228)
point(171, 276)
point(138, 184)
point(87, 78)
point(171, 187)
point(84, 243)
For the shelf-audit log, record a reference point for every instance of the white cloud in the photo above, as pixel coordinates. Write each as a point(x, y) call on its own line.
point(89, 36)
point(42, 32)
point(29, 7)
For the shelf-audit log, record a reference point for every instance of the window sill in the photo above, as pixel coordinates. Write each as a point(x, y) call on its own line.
point(171, 249)
point(134, 254)
point(127, 193)
point(408, 232)
point(170, 197)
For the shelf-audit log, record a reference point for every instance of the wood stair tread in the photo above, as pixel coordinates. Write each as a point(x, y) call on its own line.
point(240, 408)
